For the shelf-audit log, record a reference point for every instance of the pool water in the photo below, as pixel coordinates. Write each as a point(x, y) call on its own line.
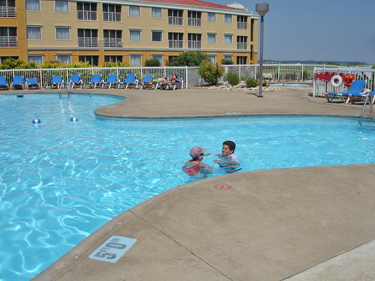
point(292, 84)
point(61, 180)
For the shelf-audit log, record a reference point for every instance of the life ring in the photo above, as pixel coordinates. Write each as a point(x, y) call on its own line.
point(349, 78)
point(336, 81)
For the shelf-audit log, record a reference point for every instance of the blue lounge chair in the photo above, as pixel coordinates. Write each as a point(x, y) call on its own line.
point(147, 81)
point(111, 81)
point(56, 82)
point(74, 80)
point(355, 89)
point(129, 81)
point(17, 81)
point(178, 84)
point(32, 82)
point(96, 79)
point(3, 82)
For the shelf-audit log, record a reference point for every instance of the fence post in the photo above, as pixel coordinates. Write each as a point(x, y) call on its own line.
point(41, 78)
point(302, 73)
point(187, 77)
point(278, 73)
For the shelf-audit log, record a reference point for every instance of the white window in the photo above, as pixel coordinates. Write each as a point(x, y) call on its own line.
point(34, 32)
point(159, 58)
point(228, 57)
point(32, 5)
point(135, 60)
point(38, 59)
point(62, 32)
point(227, 18)
point(134, 35)
point(61, 6)
point(212, 58)
point(211, 38)
point(156, 13)
point(157, 36)
point(64, 58)
point(228, 39)
point(211, 17)
point(134, 11)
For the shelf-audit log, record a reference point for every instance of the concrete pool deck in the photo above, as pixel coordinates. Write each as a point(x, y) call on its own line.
point(312, 223)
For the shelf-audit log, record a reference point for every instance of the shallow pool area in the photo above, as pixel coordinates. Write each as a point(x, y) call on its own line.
point(61, 180)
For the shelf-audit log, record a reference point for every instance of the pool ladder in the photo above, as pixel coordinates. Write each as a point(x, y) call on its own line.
point(369, 94)
point(69, 86)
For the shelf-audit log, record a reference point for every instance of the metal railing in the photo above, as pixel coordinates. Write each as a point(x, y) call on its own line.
point(194, 44)
point(112, 16)
point(92, 42)
point(176, 44)
point(194, 22)
point(242, 25)
point(241, 46)
point(87, 15)
point(8, 41)
point(111, 43)
point(7, 12)
point(271, 72)
point(175, 20)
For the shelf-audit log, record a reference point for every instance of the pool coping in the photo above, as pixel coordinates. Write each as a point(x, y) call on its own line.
point(179, 251)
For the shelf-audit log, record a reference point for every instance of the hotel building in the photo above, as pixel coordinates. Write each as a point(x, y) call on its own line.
point(127, 31)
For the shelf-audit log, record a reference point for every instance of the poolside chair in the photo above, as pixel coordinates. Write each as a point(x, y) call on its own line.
point(129, 81)
point(111, 81)
point(147, 81)
point(3, 82)
point(74, 80)
point(32, 82)
point(178, 84)
point(55, 83)
point(17, 81)
point(355, 89)
point(96, 79)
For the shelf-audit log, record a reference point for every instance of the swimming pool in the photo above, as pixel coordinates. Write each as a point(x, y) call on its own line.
point(291, 84)
point(61, 180)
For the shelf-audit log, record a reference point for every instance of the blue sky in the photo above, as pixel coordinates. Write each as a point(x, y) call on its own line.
point(326, 30)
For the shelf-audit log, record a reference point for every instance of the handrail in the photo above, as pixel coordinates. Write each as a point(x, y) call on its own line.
point(369, 93)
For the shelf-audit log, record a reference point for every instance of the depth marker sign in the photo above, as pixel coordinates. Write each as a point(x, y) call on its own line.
point(113, 249)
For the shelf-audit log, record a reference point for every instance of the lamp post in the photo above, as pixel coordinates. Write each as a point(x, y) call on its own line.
point(261, 9)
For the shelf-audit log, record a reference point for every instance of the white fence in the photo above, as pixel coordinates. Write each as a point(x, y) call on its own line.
point(323, 77)
point(271, 72)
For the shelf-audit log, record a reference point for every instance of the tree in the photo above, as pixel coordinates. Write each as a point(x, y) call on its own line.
point(189, 59)
point(152, 62)
point(209, 72)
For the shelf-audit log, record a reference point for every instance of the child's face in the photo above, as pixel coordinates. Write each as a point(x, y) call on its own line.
point(226, 150)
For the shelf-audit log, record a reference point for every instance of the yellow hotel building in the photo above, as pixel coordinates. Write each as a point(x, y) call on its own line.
point(127, 31)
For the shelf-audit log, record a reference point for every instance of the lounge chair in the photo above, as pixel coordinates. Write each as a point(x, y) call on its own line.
point(96, 79)
point(3, 82)
point(355, 89)
point(74, 80)
point(147, 81)
point(129, 81)
point(55, 83)
point(32, 82)
point(111, 81)
point(178, 84)
point(17, 81)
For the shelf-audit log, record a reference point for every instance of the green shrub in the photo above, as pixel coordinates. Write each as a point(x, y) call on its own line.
point(17, 64)
point(233, 78)
point(209, 72)
point(224, 61)
point(251, 82)
point(189, 58)
point(152, 62)
point(114, 64)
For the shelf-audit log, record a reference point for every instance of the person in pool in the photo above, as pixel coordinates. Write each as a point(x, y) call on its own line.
point(195, 166)
point(227, 156)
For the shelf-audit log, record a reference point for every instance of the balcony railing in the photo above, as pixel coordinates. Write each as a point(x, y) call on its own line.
point(7, 12)
point(111, 43)
point(242, 25)
point(241, 46)
point(176, 44)
point(88, 42)
point(87, 15)
point(194, 44)
point(194, 22)
point(112, 16)
point(175, 20)
point(8, 41)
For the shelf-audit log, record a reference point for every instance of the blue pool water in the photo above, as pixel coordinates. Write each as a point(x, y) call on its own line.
point(62, 180)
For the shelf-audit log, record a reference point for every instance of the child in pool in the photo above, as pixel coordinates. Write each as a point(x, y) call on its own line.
point(195, 166)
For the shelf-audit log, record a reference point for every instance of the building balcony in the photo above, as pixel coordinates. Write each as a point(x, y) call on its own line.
point(176, 44)
point(175, 20)
point(111, 43)
point(87, 15)
point(194, 44)
point(112, 16)
point(8, 41)
point(91, 42)
point(7, 12)
point(242, 25)
point(241, 46)
point(194, 22)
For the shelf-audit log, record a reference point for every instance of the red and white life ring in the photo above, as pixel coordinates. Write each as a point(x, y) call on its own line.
point(336, 81)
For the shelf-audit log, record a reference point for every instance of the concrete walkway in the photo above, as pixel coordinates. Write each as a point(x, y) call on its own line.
point(315, 223)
